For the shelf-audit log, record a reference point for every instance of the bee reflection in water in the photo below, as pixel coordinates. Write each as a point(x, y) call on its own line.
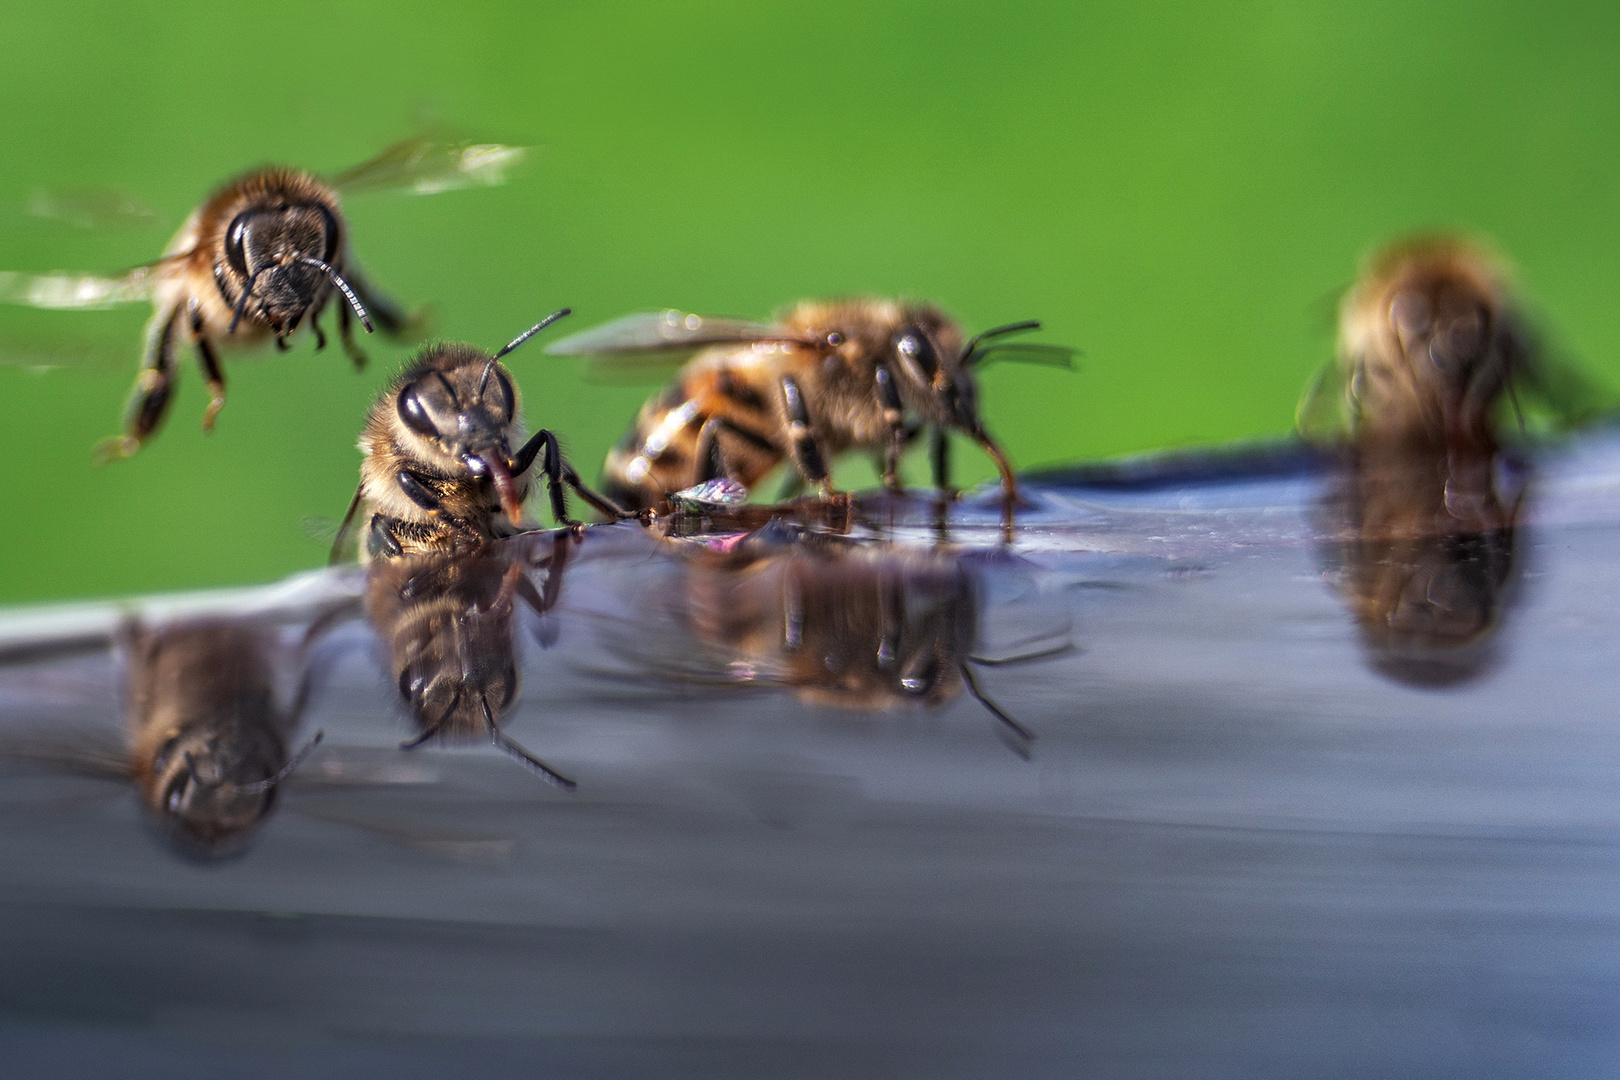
point(208, 735)
point(447, 622)
point(857, 625)
point(1423, 554)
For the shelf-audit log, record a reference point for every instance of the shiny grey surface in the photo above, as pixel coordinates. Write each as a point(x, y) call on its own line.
point(1237, 849)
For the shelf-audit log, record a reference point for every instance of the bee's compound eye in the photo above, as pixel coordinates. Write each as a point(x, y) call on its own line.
point(174, 799)
point(916, 353)
point(236, 237)
point(412, 685)
point(330, 225)
point(415, 415)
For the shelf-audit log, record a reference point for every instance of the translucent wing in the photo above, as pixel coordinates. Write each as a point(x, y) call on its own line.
point(61, 289)
point(668, 331)
point(89, 752)
point(1555, 394)
point(428, 165)
point(90, 208)
point(1324, 411)
point(1026, 352)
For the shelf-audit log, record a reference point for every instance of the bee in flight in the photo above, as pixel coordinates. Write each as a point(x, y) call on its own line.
point(827, 378)
point(1431, 341)
point(439, 472)
point(264, 255)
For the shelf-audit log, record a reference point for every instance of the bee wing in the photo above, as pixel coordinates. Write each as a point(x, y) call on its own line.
point(430, 164)
point(61, 289)
point(90, 208)
point(1324, 410)
point(652, 344)
point(1555, 393)
point(668, 331)
point(90, 752)
point(1026, 352)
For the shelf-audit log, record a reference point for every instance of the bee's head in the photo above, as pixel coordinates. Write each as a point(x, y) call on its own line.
point(279, 263)
point(933, 371)
point(458, 406)
point(208, 790)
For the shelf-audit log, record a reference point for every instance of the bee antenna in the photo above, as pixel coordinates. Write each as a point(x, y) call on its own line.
point(344, 288)
point(241, 301)
point(1024, 735)
point(1027, 325)
point(196, 777)
point(529, 333)
point(522, 756)
point(287, 769)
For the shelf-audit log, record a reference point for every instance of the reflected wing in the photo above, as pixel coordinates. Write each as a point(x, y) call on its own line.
point(86, 291)
point(668, 331)
point(429, 164)
point(95, 753)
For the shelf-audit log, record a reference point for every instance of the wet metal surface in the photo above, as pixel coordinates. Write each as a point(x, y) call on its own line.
point(1241, 843)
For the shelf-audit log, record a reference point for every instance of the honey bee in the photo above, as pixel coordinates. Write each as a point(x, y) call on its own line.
point(445, 619)
point(208, 738)
point(829, 377)
point(1423, 554)
point(834, 621)
point(261, 257)
point(1431, 341)
point(439, 473)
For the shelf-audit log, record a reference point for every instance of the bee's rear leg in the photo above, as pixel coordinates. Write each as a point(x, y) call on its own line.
point(211, 370)
point(154, 386)
point(346, 335)
point(802, 443)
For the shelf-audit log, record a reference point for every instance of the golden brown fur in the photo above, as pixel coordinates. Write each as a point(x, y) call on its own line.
point(261, 229)
point(446, 465)
point(204, 726)
point(1428, 340)
point(729, 405)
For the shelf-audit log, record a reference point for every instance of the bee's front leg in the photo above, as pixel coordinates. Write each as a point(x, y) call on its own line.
point(346, 335)
point(559, 472)
point(154, 386)
point(209, 360)
point(893, 419)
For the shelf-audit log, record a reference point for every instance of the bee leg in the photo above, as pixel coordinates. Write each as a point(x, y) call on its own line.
point(559, 472)
point(346, 335)
point(893, 417)
point(806, 451)
point(211, 370)
point(315, 328)
point(711, 461)
point(417, 491)
point(939, 452)
point(383, 539)
point(149, 401)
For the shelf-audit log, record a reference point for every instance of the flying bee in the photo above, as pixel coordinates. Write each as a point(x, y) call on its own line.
point(446, 621)
point(1431, 341)
point(208, 737)
point(1422, 552)
point(439, 472)
point(827, 378)
point(264, 255)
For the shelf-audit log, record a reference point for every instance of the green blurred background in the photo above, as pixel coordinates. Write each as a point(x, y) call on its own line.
point(1179, 190)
